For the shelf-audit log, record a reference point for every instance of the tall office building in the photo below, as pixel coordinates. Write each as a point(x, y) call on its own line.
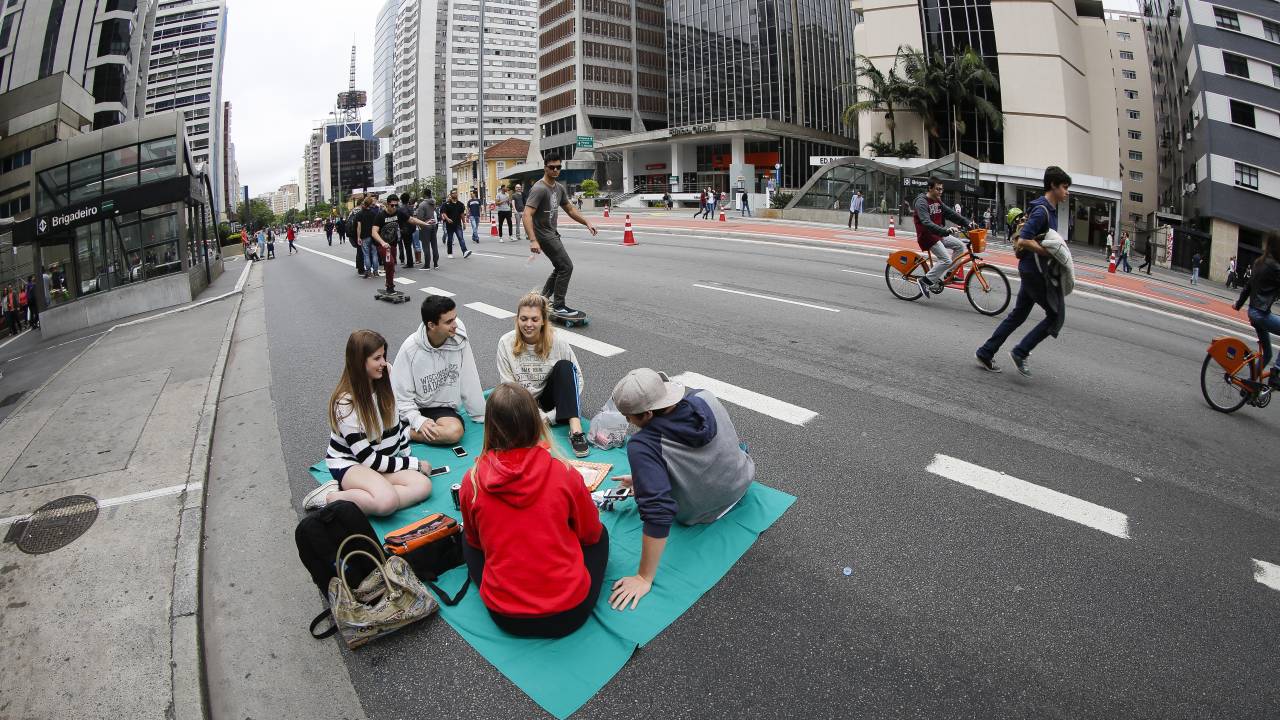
point(721, 94)
point(382, 92)
point(1137, 126)
point(1217, 81)
point(185, 73)
point(311, 168)
point(227, 160)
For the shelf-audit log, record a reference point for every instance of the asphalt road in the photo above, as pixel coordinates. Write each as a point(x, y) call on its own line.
point(960, 603)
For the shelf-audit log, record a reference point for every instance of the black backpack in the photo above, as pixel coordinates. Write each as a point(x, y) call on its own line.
point(318, 536)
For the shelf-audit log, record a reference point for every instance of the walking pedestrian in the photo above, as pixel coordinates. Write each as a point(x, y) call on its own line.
point(1148, 256)
point(986, 219)
point(1260, 293)
point(9, 304)
point(473, 210)
point(1042, 218)
point(291, 235)
point(666, 200)
point(353, 237)
point(1124, 251)
point(23, 299)
point(517, 207)
point(34, 301)
point(1110, 245)
point(328, 230)
point(1195, 268)
point(855, 209)
point(1231, 272)
point(262, 243)
point(541, 213)
point(504, 211)
point(746, 204)
point(452, 212)
point(408, 228)
point(427, 213)
point(364, 221)
point(702, 204)
point(271, 243)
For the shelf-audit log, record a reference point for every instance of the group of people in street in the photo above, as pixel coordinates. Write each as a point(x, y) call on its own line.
point(534, 544)
point(262, 245)
point(20, 302)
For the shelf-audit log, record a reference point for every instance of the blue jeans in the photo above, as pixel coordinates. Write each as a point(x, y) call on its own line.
point(1195, 275)
point(1264, 324)
point(475, 229)
point(370, 249)
point(1030, 293)
point(451, 231)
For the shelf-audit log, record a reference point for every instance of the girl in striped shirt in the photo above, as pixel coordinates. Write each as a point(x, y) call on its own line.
point(369, 444)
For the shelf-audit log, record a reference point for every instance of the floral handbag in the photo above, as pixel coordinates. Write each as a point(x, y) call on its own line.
point(361, 618)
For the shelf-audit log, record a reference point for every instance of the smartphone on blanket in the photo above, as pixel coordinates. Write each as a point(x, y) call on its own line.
point(438, 471)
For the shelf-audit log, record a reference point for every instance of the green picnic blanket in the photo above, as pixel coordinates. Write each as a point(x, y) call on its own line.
point(561, 675)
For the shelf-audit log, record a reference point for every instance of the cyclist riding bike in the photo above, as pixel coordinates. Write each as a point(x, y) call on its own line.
point(933, 236)
point(1261, 292)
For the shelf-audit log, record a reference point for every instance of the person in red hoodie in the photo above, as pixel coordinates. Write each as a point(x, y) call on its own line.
point(534, 543)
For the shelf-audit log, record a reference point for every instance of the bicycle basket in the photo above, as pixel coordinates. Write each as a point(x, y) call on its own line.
point(978, 240)
point(1229, 352)
point(904, 260)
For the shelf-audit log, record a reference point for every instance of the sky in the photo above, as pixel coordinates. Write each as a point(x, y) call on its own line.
point(286, 60)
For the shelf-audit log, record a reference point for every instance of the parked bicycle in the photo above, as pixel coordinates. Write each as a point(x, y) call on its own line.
point(1222, 376)
point(985, 285)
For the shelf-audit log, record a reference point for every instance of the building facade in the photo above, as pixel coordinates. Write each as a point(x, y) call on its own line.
point(185, 74)
point(382, 92)
point(751, 89)
point(1217, 78)
point(1135, 102)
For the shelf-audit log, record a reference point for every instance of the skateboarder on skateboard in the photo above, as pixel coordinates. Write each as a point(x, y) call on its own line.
point(541, 212)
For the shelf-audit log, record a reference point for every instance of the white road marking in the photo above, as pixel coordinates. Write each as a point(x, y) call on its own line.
point(51, 347)
point(598, 347)
point(859, 272)
point(1032, 495)
point(15, 337)
point(500, 257)
point(1266, 573)
point(766, 297)
point(597, 242)
point(352, 263)
point(490, 310)
point(433, 290)
point(748, 399)
point(123, 499)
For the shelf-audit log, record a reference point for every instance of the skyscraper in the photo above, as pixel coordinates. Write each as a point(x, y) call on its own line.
point(1137, 127)
point(185, 73)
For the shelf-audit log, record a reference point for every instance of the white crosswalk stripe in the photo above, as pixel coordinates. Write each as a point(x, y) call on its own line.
point(490, 310)
point(433, 290)
point(1032, 495)
point(1266, 573)
point(748, 399)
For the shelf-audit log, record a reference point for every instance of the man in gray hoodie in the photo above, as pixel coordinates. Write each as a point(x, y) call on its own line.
point(687, 466)
point(435, 375)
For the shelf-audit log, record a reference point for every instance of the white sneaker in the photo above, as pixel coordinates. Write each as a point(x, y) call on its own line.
point(317, 498)
point(450, 253)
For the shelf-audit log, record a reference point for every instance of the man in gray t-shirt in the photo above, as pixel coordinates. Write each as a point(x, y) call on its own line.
point(541, 211)
point(427, 213)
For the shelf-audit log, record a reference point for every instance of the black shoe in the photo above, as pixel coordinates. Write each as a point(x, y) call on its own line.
point(925, 288)
point(1274, 379)
point(578, 441)
point(566, 311)
point(1021, 364)
point(987, 364)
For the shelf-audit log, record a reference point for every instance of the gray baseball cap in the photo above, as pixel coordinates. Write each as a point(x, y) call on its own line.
point(644, 389)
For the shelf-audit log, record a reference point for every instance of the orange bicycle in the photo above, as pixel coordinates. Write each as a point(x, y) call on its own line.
point(985, 285)
point(1220, 377)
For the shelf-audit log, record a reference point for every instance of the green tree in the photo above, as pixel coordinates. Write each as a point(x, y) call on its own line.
point(590, 188)
point(883, 91)
point(879, 147)
point(293, 215)
point(319, 210)
point(257, 215)
point(419, 187)
point(944, 91)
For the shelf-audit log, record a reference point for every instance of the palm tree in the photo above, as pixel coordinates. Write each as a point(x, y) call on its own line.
point(885, 92)
point(938, 89)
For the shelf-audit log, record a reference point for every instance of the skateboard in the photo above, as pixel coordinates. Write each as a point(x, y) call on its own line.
point(569, 321)
point(391, 296)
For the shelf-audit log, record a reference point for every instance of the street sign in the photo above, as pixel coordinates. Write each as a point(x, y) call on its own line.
point(673, 179)
point(825, 159)
point(586, 141)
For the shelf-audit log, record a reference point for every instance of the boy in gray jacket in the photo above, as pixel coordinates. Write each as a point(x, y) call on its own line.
point(686, 462)
point(435, 375)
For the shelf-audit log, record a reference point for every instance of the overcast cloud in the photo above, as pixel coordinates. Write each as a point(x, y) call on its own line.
point(286, 60)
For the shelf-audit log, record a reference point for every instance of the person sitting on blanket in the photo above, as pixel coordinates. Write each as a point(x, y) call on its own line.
point(369, 444)
point(435, 373)
point(534, 543)
point(686, 465)
point(540, 359)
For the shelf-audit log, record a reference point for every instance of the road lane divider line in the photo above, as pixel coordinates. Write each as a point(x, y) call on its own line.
point(1033, 496)
point(1266, 573)
point(748, 399)
point(599, 347)
point(861, 272)
point(500, 257)
point(766, 297)
point(433, 290)
point(352, 263)
point(124, 499)
point(490, 310)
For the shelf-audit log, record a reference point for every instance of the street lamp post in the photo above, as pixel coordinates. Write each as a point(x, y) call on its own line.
point(480, 107)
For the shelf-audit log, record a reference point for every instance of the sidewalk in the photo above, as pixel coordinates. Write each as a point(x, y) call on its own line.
point(107, 624)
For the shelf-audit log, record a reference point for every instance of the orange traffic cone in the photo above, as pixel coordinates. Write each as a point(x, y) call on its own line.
point(891, 233)
point(1111, 266)
point(493, 225)
point(606, 211)
point(722, 214)
point(628, 237)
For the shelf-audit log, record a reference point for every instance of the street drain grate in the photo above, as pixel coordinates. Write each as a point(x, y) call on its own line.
point(11, 399)
point(57, 523)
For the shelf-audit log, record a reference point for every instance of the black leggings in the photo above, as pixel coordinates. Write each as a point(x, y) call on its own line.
point(594, 557)
point(430, 250)
point(561, 392)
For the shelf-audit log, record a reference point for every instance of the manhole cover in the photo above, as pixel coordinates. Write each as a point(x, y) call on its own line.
point(57, 523)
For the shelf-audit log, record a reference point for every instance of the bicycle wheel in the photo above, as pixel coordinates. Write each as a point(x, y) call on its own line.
point(903, 287)
point(1219, 391)
point(995, 298)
